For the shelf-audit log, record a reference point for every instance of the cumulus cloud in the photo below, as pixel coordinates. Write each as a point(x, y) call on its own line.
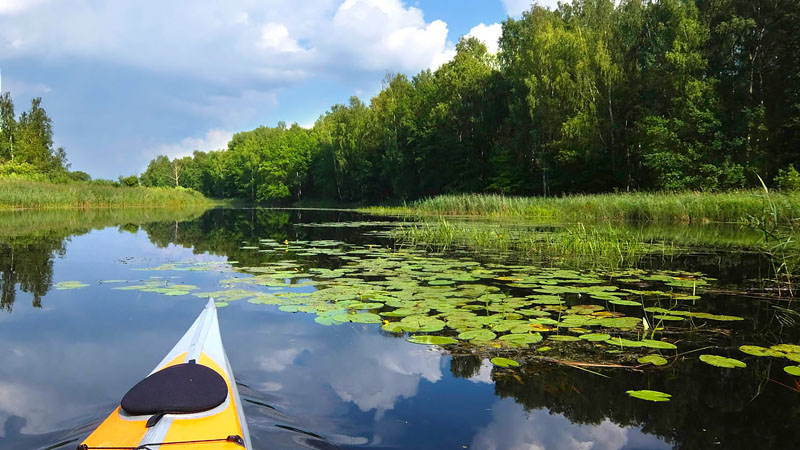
point(386, 372)
point(515, 429)
point(15, 6)
point(237, 41)
point(484, 374)
point(488, 34)
point(213, 140)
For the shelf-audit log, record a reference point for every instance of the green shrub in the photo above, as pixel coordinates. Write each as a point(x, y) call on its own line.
point(788, 179)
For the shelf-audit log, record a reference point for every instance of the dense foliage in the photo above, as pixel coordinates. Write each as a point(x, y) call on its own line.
point(26, 142)
point(589, 97)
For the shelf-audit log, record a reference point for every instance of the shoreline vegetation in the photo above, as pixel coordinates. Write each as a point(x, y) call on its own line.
point(741, 207)
point(21, 193)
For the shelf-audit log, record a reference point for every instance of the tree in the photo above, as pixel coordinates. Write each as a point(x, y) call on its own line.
point(129, 181)
point(159, 173)
point(8, 125)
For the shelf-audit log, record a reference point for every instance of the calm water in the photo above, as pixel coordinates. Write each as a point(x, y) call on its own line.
point(68, 356)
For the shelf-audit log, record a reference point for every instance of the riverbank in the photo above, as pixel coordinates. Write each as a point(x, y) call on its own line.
point(690, 207)
point(19, 193)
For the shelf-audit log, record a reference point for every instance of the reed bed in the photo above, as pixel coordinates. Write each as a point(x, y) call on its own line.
point(18, 193)
point(600, 246)
point(688, 207)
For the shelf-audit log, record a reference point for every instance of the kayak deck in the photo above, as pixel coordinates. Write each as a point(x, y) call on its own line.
point(221, 427)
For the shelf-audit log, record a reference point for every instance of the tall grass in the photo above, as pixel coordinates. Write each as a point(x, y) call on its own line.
point(20, 193)
point(689, 207)
point(596, 246)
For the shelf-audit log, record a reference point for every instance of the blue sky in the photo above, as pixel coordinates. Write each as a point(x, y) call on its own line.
point(126, 80)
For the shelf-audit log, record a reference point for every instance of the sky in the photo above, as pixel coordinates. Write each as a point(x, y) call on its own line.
point(127, 80)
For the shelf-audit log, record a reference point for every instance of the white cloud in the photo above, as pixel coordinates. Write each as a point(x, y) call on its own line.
point(385, 35)
point(484, 374)
point(516, 429)
point(488, 34)
point(17, 6)
point(395, 370)
point(275, 36)
point(279, 360)
point(213, 140)
point(236, 43)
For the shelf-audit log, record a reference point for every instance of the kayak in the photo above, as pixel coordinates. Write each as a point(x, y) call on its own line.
point(189, 401)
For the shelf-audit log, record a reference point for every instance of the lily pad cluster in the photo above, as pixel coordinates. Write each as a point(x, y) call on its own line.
point(437, 299)
point(788, 351)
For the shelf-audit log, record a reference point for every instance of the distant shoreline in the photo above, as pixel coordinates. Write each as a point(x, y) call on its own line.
point(25, 194)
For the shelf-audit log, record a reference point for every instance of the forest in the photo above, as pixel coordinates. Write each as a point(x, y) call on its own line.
point(590, 97)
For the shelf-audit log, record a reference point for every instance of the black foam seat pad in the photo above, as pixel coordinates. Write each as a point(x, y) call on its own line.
point(183, 388)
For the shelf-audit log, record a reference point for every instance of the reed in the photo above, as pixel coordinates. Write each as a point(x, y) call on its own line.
point(599, 246)
point(20, 193)
point(688, 207)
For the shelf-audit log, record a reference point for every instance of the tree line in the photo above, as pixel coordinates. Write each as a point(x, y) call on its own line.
point(588, 97)
point(27, 148)
point(26, 141)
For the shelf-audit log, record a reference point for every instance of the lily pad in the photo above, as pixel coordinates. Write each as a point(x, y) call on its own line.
point(522, 339)
point(504, 362)
point(792, 370)
point(622, 342)
point(652, 396)
point(477, 335)
point(657, 344)
point(563, 338)
point(721, 361)
point(324, 320)
point(595, 337)
point(65, 285)
point(786, 348)
point(432, 340)
point(625, 302)
point(755, 350)
point(655, 360)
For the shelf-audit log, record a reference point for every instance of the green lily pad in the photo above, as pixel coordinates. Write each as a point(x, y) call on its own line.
point(365, 318)
point(755, 350)
point(477, 335)
point(324, 320)
point(624, 302)
point(721, 361)
point(65, 285)
point(563, 338)
point(221, 304)
point(595, 337)
point(652, 396)
point(667, 317)
point(522, 339)
point(657, 344)
point(656, 360)
point(792, 370)
point(504, 362)
point(432, 340)
point(786, 348)
point(622, 342)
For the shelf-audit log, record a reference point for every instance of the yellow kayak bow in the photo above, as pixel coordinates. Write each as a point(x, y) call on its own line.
point(189, 401)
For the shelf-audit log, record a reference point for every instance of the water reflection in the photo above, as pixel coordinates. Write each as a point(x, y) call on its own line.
point(30, 240)
point(66, 365)
point(514, 428)
point(26, 264)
